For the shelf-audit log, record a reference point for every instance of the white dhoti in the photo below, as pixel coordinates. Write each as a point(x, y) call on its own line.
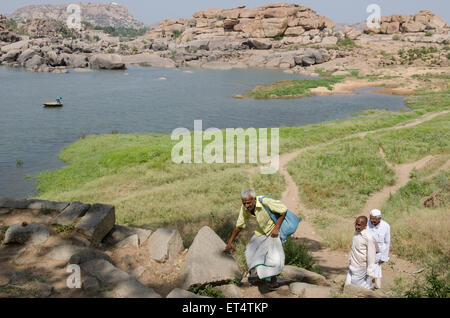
point(358, 276)
point(377, 271)
point(266, 254)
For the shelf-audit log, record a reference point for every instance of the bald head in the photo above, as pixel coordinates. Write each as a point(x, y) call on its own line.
point(360, 223)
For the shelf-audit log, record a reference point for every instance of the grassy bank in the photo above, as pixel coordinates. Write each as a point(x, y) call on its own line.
point(136, 174)
point(292, 88)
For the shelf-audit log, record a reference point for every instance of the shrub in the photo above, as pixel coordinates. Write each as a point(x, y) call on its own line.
point(297, 254)
point(429, 33)
point(396, 37)
point(176, 33)
point(208, 291)
point(346, 43)
point(436, 285)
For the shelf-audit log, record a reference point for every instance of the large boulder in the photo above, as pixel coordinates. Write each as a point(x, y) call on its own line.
point(436, 22)
point(78, 61)
point(107, 62)
point(260, 44)
point(9, 203)
point(97, 222)
point(206, 263)
point(22, 233)
point(120, 233)
point(390, 27)
point(411, 27)
point(123, 285)
point(25, 56)
point(274, 27)
point(71, 213)
point(302, 275)
point(294, 31)
point(44, 204)
point(35, 62)
point(10, 56)
point(165, 244)
point(87, 254)
point(149, 60)
point(21, 45)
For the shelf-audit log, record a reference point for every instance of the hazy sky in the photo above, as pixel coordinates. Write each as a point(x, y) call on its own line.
point(150, 12)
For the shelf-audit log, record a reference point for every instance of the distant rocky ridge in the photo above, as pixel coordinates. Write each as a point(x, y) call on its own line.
point(101, 14)
point(424, 20)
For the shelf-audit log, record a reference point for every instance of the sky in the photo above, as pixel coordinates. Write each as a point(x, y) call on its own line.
point(340, 11)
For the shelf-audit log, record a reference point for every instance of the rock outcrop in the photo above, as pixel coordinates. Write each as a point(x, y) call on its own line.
point(206, 263)
point(422, 21)
point(7, 35)
point(107, 62)
point(102, 14)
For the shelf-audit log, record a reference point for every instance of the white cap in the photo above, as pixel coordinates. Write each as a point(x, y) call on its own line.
point(375, 212)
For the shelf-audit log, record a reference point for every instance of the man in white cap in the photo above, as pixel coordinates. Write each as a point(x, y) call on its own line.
point(381, 232)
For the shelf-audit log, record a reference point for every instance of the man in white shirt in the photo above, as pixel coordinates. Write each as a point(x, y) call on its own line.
point(381, 232)
point(362, 256)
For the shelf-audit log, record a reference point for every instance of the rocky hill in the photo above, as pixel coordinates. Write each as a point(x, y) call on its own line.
point(269, 21)
point(422, 21)
point(101, 14)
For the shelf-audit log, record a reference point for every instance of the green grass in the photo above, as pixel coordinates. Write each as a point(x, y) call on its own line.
point(429, 138)
point(296, 254)
point(292, 88)
point(135, 173)
point(339, 178)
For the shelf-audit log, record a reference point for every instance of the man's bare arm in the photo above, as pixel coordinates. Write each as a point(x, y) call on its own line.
point(276, 229)
point(230, 245)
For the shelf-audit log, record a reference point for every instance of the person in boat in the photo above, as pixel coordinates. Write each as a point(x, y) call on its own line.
point(59, 100)
point(264, 253)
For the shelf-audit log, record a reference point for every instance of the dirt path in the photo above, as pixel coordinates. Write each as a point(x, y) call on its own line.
point(334, 264)
point(402, 177)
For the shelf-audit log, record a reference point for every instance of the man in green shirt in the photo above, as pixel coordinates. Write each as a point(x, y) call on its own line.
point(264, 253)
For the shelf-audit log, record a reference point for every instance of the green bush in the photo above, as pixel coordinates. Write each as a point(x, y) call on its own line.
point(176, 33)
point(436, 285)
point(296, 254)
point(346, 42)
point(208, 291)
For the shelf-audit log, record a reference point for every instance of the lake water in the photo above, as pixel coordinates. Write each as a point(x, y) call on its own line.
point(135, 101)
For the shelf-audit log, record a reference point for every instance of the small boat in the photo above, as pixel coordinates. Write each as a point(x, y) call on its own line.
point(52, 104)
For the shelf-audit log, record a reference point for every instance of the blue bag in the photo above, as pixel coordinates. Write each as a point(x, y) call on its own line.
point(290, 222)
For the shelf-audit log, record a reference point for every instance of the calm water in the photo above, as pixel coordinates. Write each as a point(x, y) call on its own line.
point(135, 101)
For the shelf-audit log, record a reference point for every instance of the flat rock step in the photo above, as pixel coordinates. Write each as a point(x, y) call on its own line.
point(123, 285)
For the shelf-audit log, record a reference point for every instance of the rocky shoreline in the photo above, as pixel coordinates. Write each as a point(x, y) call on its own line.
point(282, 36)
